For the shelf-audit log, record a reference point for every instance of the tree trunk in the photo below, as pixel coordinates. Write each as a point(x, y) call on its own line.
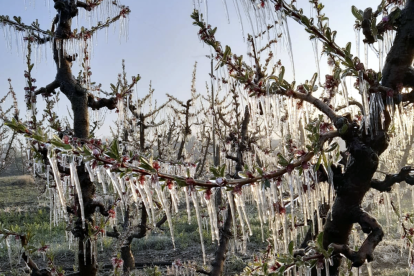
point(87, 265)
point(220, 258)
point(127, 256)
point(78, 97)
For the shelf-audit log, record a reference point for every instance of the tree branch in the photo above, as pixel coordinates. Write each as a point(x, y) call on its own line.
point(103, 102)
point(32, 265)
point(49, 89)
point(391, 179)
point(83, 5)
point(323, 107)
point(352, 102)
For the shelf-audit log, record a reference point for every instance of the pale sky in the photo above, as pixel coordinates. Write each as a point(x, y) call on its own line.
point(163, 45)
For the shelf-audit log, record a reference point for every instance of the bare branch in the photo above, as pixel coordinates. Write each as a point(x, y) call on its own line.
point(351, 102)
point(390, 179)
point(49, 89)
point(323, 107)
point(83, 5)
point(103, 102)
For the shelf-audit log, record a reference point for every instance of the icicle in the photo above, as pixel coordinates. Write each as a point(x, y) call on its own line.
point(227, 11)
point(327, 267)
point(75, 180)
point(115, 183)
point(53, 162)
point(236, 5)
point(88, 168)
point(200, 229)
point(84, 251)
point(161, 197)
point(145, 200)
point(381, 53)
point(345, 90)
point(188, 204)
point(369, 268)
point(133, 190)
point(357, 40)
point(173, 194)
point(365, 103)
point(47, 175)
point(316, 54)
point(288, 41)
point(100, 179)
point(9, 251)
point(233, 210)
point(261, 214)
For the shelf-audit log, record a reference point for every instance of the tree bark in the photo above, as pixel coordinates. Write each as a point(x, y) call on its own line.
point(220, 255)
point(127, 257)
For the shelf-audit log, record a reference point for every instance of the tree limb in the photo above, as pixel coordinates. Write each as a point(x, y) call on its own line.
point(49, 89)
point(103, 102)
point(323, 107)
point(351, 102)
point(390, 179)
point(83, 5)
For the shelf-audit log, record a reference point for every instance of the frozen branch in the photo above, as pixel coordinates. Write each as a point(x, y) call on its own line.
point(390, 179)
point(83, 5)
point(109, 103)
point(323, 107)
point(49, 89)
point(35, 269)
point(351, 102)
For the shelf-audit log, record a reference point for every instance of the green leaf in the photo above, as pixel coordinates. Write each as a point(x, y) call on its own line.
point(318, 163)
point(313, 81)
point(320, 240)
point(332, 147)
point(226, 53)
point(305, 20)
point(180, 182)
point(214, 171)
point(222, 170)
point(291, 245)
point(145, 164)
point(242, 175)
point(281, 160)
point(343, 129)
point(348, 47)
point(356, 13)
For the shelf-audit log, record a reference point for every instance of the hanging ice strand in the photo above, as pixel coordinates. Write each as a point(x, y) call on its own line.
point(164, 204)
point(376, 110)
point(288, 42)
point(316, 54)
point(200, 228)
point(227, 11)
point(357, 40)
point(236, 5)
point(390, 102)
point(75, 180)
point(53, 163)
point(364, 96)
